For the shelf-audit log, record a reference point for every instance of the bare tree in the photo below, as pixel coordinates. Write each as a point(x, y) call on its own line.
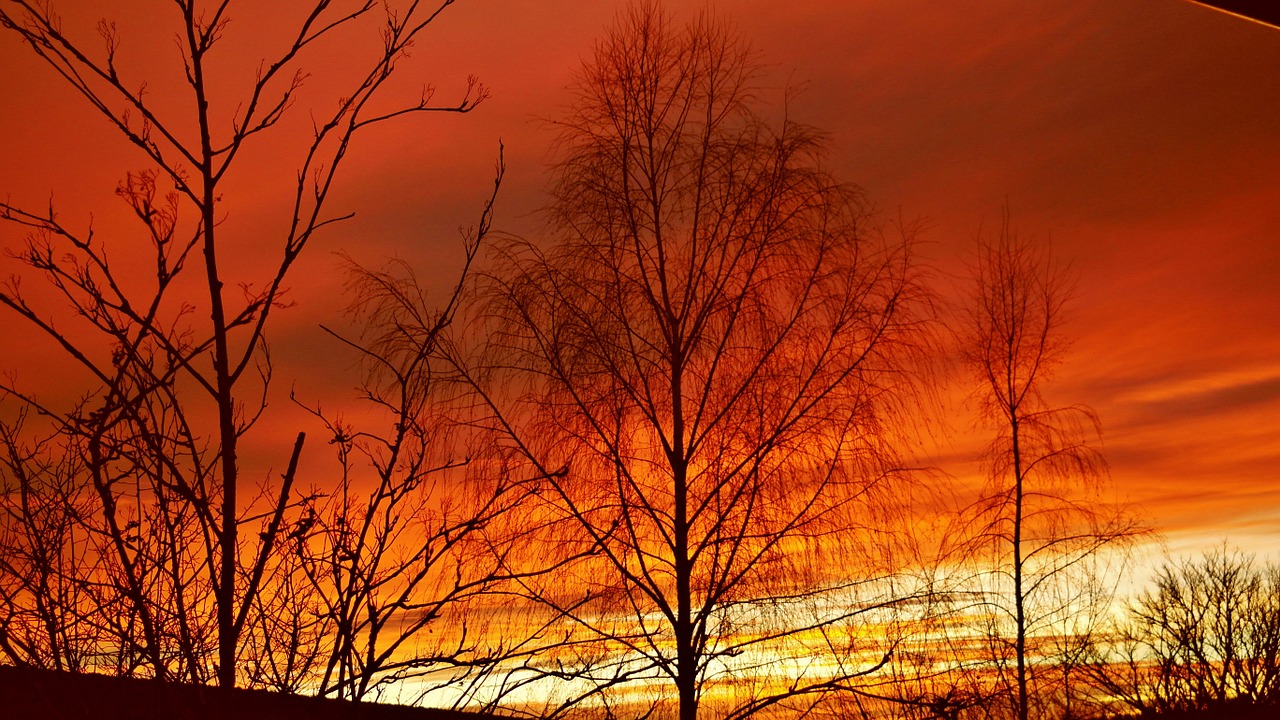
point(169, 394)
point(417, 558)
point(701, 366)
point(44, 602)
point(1205, 637)
point(1042, 523)
point(408, 554)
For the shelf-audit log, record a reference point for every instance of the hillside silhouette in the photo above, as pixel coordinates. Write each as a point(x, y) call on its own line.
point(46, 694)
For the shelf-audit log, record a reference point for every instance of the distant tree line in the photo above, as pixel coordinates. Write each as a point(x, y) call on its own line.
point(649, 464)
point(1204, 639)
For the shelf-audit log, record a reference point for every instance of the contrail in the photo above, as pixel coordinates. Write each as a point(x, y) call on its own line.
point(1263, 12)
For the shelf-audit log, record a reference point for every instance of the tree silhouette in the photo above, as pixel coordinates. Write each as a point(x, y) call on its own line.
point(175, 366)
point(44, 609)
point(408, 557)
point(1042, 523)
point(1205, 637)
point(700, 365)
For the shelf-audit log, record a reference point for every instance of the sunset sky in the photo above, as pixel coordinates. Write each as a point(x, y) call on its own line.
point(1142, 136)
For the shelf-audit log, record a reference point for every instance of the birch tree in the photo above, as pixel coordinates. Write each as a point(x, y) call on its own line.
point(701, 362)
point(1043, 520)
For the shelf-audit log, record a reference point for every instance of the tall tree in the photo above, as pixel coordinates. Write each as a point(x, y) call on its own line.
point(706, 355)
point(1042, 519)
point(170, 396)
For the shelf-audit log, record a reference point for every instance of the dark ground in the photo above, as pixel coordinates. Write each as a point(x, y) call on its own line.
point(29, 693)
point(1231, 710)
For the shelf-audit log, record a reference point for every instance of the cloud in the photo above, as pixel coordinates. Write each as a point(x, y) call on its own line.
point(1204, 394)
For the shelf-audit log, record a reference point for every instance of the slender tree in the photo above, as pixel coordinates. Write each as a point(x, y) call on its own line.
point(700, 365)
point(171, 391)
point(1042, 522)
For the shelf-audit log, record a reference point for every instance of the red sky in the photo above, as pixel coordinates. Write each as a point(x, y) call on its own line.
point(1143, 136)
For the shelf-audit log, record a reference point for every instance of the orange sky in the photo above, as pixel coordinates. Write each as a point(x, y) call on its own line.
point(1143, 136)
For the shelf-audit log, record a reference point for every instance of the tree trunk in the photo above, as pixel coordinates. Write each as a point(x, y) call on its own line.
point(223, 382)
point(1020, 641)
